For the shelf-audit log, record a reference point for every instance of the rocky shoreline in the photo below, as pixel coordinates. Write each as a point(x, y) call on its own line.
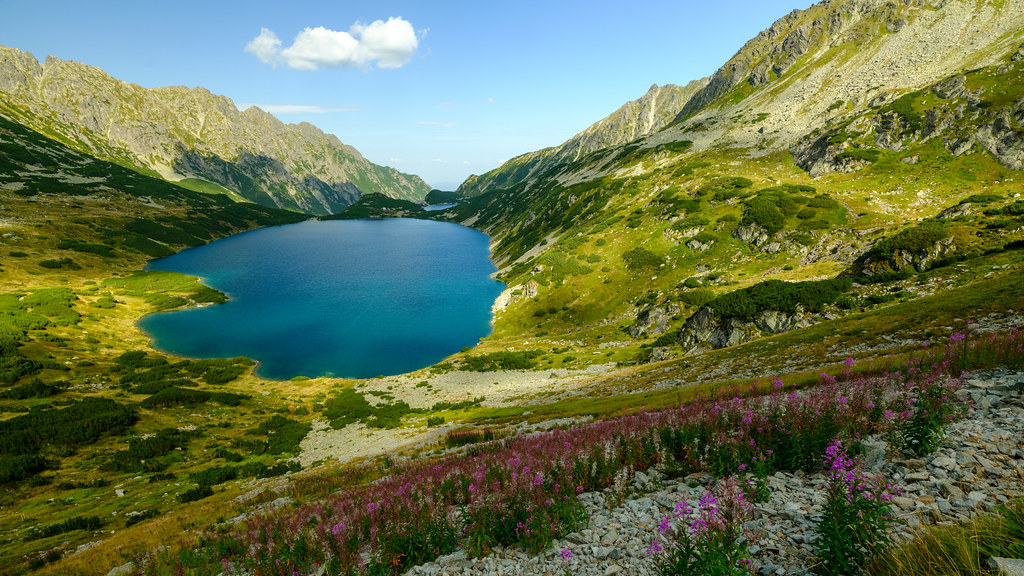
point(979, 466)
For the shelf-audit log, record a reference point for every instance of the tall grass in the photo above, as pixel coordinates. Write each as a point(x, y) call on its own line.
point(960, 550)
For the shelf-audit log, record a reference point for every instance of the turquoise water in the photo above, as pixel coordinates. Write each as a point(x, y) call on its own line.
point(348, 298)
point(436, 207)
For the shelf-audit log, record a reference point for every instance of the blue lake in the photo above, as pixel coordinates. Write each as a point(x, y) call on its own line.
point(349, 298)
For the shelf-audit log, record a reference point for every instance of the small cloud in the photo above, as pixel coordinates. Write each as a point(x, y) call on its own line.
point(266, 47)
point(394, 159)
point(433, 123)
point(297, 108)
point(466, 162)
point(388, 44)
point(490, 100)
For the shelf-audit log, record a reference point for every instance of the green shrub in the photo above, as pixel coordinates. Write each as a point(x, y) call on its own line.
point(807, 213)
point(81, 422)
point(194, 494)
point(860, 154)
point(61, 263)
point(725, 185)
point(16, 468)
point(765, 212)
point(34, 388)
point(705, 238)
point(697, 298)
point(134, 519)
point(690, 221)
point(504, 360)
point(640, 258)
point(99, 249)
point(284, 434)
point(823, 201)
point(915, 239)
point(981, 199)
point(148, 454)
point(779, 295)
point(1015, 209)
point(69, 525)
point(904, 107)
point(435, 421)
point(187, 396)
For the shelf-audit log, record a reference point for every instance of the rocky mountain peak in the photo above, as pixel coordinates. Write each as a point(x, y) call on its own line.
point(190, 133)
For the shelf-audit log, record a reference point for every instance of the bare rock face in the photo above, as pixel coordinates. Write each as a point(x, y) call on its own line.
point(1001, 138)
point(962, 209)
point(704, 331)
point(698, 246)
point(907, 260)
point(751, 234)
point(179, 132)
point(653, 320)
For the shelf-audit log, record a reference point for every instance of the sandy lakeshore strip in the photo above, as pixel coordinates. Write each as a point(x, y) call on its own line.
point(501, 388)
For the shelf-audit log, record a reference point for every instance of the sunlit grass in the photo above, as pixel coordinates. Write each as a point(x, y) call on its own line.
point(957, 550)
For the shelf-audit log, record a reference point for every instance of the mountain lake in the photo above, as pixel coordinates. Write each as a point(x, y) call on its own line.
point(347, 298)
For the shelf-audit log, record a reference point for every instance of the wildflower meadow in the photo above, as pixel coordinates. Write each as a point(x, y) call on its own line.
point(523, 490)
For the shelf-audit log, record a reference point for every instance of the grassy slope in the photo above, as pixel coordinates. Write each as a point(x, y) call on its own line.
point(571, 239)
point(52, 194)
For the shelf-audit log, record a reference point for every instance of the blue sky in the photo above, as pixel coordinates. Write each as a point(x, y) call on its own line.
point(440, 89)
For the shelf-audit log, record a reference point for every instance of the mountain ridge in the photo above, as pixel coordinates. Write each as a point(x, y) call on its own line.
point(635, 119)
point(189, 133)
point(809, 69)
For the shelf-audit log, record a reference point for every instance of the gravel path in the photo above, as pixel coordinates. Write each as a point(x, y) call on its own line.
point(497, 388)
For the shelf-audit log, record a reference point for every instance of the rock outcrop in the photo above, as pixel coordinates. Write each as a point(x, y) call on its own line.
point(653, 320)
point(705, 331)
point(180, 133)
point(920, 260)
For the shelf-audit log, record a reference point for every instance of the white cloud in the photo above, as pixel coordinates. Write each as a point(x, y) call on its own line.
point(388, 44)
point(490, 100)
point(394, 160)
point(296, 108)
point(433, 123)
point(266, 47)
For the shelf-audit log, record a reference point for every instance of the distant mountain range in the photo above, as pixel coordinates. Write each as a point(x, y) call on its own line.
point(192, 137)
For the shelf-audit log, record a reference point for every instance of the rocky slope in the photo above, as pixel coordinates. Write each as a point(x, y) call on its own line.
point(182, 133)
point(978, 464)
point(836, 59)
point(812, 69)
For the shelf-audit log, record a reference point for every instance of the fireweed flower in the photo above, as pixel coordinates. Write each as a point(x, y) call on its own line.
point(665, 525)
point(566, 555)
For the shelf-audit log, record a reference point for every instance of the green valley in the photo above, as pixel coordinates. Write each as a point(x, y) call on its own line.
point(842, 203)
